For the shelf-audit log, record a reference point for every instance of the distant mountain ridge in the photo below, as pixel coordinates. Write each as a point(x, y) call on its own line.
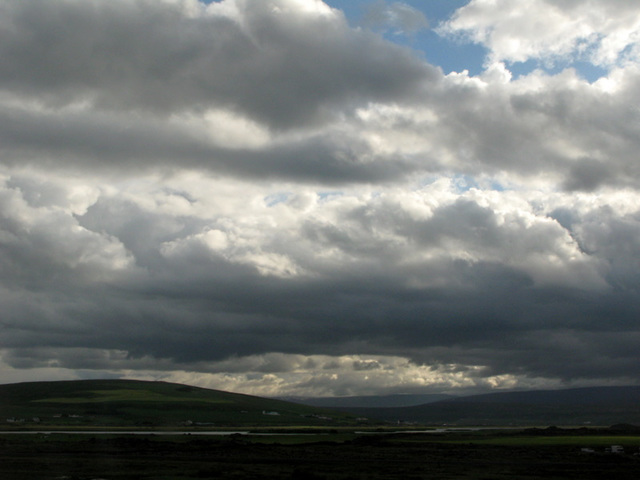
point(578, 406)
point(370, 401)
point(580, 396)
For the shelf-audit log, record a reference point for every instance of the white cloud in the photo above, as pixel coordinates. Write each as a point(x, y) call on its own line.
point(603, 32)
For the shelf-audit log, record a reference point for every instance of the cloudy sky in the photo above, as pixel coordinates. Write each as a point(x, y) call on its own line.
point(291, 197)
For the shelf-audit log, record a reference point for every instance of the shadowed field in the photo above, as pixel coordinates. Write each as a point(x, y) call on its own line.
point(496, 455)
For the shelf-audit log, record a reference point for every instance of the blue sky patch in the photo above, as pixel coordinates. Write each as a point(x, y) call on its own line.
point(451, 54)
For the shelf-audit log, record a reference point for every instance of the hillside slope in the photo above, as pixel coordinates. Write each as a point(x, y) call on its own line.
point(140, 403)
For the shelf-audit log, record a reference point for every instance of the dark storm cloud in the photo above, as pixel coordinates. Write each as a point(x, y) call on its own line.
point(107, 143)
point(515, 329)
point(587, 175)
point(283, 68)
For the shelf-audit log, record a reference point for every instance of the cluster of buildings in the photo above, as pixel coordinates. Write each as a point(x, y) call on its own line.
point(38, 419)
point(22, 420)
point(612, 449)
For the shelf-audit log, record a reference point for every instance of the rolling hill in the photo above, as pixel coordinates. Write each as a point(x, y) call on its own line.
point(90, 403)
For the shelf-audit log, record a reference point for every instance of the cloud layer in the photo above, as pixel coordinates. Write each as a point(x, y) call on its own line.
point(256, 196)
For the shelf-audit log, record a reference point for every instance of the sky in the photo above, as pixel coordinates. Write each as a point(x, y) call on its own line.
point(291, 197)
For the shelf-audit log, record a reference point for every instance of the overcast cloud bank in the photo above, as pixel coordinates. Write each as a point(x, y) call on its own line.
point(258, 197)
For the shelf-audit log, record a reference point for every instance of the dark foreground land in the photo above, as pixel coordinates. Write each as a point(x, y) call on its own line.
point(463, 455)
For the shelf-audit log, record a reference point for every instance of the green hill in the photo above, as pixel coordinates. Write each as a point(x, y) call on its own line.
point(131, 403)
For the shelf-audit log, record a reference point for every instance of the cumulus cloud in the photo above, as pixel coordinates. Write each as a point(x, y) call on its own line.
point(606, 33)
point(255, 196)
